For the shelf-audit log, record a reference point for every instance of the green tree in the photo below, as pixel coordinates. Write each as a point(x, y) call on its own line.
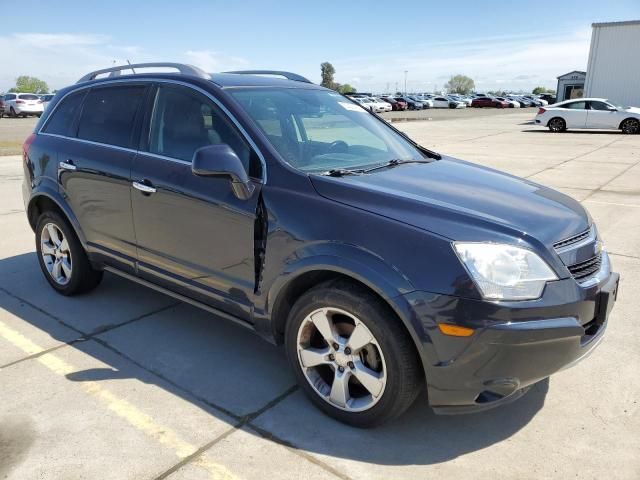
point(346, 88)
point(539, 90)
point(327, 71)
point(460, 84)
point(27, 84)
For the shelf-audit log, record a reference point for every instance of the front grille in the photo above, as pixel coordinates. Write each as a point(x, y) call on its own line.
point(571, 240)
point(582, 270)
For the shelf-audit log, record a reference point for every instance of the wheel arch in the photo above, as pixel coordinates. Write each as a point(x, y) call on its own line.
point(388, 285)
point(553, 118)
point(625, 119)
point(45, 200)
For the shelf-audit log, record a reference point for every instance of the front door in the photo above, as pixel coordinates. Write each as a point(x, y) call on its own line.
point(193, 234)
point(602, 115)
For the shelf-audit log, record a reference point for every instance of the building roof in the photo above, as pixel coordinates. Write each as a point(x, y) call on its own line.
point(573, 71)
point(616, 24)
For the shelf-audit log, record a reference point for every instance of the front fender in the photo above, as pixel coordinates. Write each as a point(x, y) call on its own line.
point(353, 262)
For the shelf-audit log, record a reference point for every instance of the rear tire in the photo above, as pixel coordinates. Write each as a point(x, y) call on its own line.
point(383, 355)
point(62, 258)
point(630, 126)
point(557, 125)
point(12, 113)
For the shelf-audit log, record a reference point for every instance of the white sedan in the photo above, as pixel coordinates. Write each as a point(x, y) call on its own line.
point(386, 106)
point(444, 102)
point(597, 113)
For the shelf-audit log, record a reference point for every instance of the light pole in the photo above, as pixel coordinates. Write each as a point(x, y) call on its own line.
point(405, 81)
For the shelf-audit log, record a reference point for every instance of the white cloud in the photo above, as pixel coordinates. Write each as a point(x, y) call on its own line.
point(211, 61)
point(59, 59)
point(521, 61)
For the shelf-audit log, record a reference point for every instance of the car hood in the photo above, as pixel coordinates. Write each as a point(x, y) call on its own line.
point(460, 201)
point(635, 110)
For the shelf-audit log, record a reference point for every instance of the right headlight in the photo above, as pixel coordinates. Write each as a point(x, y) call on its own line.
point(504, 272)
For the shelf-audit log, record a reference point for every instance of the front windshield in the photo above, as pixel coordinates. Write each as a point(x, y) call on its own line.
point(318, 130)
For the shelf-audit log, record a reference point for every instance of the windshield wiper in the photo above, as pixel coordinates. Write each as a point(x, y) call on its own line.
point(341, 172)
point(393, 163)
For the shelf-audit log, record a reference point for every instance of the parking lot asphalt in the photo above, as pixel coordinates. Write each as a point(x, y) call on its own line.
point(125, 383)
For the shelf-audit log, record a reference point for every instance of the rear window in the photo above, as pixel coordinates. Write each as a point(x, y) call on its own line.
point(61, 121)
point(28, 96)
point(108, 114)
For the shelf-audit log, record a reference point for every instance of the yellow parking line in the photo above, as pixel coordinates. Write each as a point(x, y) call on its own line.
point(125, 410)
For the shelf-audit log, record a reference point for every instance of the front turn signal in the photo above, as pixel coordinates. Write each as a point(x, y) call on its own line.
point(455, 330)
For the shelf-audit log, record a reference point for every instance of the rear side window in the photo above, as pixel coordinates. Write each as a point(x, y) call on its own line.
point(61, 121)
point(576, 105)
point(108, 114)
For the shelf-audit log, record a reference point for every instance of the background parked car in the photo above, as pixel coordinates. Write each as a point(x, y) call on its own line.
point(538, 102)
point(481, 102)
point(597, 113)
point(425, 102)
point(396, 105)
point(549, 97)
point(444, 102)
point(1, 106)
point(521, 101)
point(386, 107)
point(411, 104)
point(512, 103)
point(23, 104)
point(460, 98)
point(46, 99)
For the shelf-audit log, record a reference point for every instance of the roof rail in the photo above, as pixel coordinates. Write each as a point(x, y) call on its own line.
point(287, 75)
point(116, 71)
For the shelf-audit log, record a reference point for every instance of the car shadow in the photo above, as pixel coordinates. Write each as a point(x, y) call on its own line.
point(216, 366)
point(574, 132)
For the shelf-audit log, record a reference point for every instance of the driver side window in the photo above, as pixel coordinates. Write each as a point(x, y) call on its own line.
point(600, 106)
point(184, 120)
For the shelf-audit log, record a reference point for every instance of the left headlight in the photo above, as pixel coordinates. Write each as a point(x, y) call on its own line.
point(505, 272)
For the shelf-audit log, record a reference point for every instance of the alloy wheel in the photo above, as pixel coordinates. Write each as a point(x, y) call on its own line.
point(341, 359)
point(56, 254)
point(556, 124)
point(631, 126)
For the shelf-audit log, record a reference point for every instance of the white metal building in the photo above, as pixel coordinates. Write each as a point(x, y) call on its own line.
point(613, 71)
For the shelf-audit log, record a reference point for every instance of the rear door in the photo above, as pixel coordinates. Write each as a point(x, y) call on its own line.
point(94, 167)
point(602, 115)
point(194, 236)
point(575, 114)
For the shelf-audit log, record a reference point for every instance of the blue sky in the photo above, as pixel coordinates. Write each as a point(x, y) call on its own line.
point(501, 44)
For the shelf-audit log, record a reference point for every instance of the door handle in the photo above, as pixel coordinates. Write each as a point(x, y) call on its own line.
point(68, 165)
point(143, 187)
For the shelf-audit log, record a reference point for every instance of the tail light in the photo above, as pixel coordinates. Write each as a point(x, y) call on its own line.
point(541, 111)
point(27, 145)
point(19, 101)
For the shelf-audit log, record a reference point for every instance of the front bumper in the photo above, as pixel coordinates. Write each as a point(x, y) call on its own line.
point(515, 344)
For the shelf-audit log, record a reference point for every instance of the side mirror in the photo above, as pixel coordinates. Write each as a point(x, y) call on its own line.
point(222, 161)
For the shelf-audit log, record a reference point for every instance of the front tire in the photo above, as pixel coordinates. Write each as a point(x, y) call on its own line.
point(62, 259)
point(630, 126)
point(351, 354)
point(557, 125)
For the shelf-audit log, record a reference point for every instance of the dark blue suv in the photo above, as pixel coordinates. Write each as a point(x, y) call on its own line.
point(287, 208)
